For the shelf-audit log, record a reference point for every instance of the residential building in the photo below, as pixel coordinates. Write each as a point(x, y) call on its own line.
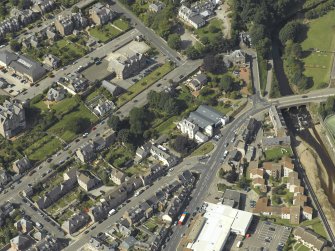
point(103, 107)
point(237, 58)
point(278, 121)
point(295, 215)
point(288, 166)
point(251, 131)
point(166, 158)
point(156, 171)
point(309, 238)
point(22, 65)
point(86, 152)
point(23, 225)
point(5, 178)
point(87, 181)
point(127, 244)
point(156, 6)
point(56, 193)
point(128, 60)
point(65, 25)
point(188, 128)
point(293, 181)
point(273, 169)
point(197, 82)
point(21, 165)
point(256, 173)
point(259, 182)
point(117, 176)
point(142, 152)
point(43, 6)
point(51, 61)
point(75, 223)
point(307, 212)
point(101, 14)
point(299, 200)
point(21, 242)
point(126, 66)
point(191, 17)
point(56, 94)
point(12, 118)
point(74, 83)
point(277, 141)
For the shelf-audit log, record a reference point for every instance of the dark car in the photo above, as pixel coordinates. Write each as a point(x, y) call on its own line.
point(86, 232)
point(49, 160)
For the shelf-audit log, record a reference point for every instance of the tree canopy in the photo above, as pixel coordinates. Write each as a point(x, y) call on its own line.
point(174, 41)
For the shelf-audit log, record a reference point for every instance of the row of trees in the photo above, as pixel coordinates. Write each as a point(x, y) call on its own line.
point(320, 10)
point(294, 67)
point(327, 108)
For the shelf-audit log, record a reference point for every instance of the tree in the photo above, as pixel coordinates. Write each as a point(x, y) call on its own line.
point(15, 45)
point(183, 145)
point(213, 64)
point(213, 28)
point(231, 176)
point(192, 52)
point(226, 83)
point(3, 10)
point(114, 122)
point(78, 125)
point(174, 41)
point(75, 9)
point(290, 32)
point(138, 120)
point(123, 136)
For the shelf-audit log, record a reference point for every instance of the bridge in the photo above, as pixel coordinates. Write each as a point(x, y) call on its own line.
point(303, 99)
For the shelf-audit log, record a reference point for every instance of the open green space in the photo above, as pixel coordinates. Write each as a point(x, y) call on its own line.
point(144, 83)
point(277, 153)
point(330, 123)
point(46, 146)
point(203, 149)
point(121, 24)
point(210, 31)
point(117, 155)
point(320, 37)
point(316, 225)
point(104, 33)
point(302, 248)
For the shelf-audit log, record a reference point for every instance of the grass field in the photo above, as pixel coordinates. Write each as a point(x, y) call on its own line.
point(330, 122)
point(205, 31)
point(277, 152)
point(144, 83)
point(105, 33)
point(320, 36)
point(46, 146)
point(316, 225)
point(123, 25)
point(203, 149)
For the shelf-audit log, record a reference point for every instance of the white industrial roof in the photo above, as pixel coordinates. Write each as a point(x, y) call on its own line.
point(220, 221)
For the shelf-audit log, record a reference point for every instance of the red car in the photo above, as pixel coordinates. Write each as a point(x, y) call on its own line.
point(94, 128)
point(248, 235)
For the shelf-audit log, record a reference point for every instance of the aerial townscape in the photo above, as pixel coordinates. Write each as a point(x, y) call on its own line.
point(149, 125)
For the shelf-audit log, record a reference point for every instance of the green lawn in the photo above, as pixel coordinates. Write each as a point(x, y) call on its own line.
point(277, 152)
point(104, 33)
point(167, 126)
point(320, 36)
point(330, 122)
point(203, 149)
point(317, 226)
point(144, 83)
point(46, 146)
point(302, 248)
point(121, 24)
point(59, 128)
point(118, 155)
point(205, 31)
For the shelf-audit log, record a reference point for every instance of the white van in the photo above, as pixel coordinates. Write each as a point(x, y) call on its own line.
point(239, 244)
point(111, 212)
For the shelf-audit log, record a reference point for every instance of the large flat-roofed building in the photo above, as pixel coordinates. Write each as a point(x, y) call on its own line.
point(19, 64)
point(217, 224)
point(128, 60)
